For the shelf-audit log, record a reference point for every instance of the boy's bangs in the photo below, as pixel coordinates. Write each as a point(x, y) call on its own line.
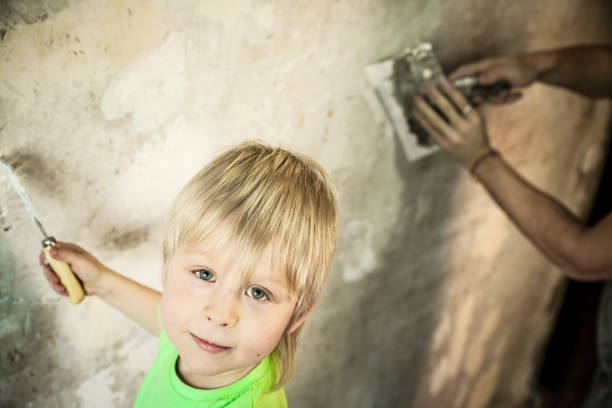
point(218, 233)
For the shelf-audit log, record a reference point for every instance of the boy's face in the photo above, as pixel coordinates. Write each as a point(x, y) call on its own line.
point(222, 326)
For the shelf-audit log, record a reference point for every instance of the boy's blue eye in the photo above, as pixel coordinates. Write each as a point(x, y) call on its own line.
point(256, 293)
point(205, 274)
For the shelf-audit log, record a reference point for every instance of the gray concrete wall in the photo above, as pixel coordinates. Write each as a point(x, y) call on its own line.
point(434, 299)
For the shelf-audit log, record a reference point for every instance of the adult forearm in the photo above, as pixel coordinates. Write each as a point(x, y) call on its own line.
point(584, 69)
point(136, 301)
point(541, 218)
point(581, 252)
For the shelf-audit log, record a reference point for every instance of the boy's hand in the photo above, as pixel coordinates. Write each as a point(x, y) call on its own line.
point(84, 265)
point(463, 135)
point(517, 71)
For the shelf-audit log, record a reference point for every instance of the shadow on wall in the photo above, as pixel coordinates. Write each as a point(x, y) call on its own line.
point(375, 349)
point(21, 344)
point(397, 330)
point(379, 361)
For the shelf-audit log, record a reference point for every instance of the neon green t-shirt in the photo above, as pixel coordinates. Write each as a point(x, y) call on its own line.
point(162, 386)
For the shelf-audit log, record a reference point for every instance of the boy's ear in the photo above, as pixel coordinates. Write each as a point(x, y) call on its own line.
point(301, 320)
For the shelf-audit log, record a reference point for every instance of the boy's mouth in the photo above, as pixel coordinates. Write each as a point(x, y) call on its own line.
point(208, 346)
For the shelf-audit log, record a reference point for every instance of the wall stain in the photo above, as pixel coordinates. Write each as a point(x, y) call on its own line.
point(34, 174)
point(15, 12)
point(129, 239)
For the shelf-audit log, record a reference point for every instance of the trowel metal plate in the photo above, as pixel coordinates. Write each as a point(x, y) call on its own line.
point(396, 82)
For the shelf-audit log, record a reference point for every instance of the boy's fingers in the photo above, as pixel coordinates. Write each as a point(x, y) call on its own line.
point(65, 252)
point(50, 275)
point(59, 288)
point(54, 281)
point(41, 258)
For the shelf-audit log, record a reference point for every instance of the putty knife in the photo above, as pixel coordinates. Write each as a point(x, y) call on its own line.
point(62, 269)
point(397, 80)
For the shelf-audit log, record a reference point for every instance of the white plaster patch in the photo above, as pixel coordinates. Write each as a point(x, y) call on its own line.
point(442, 331)
point(139, 351)
point(170, 161)
point(475, 353)
point(96, 391)
point(490, 235)
point(461, 328)
point(109, 326)
point(485, 387)
point(264, 17)
point(461, 395)
point(360, 258)
point(141, 263)
point(439, 376)
point(151, 88)
point(591, 158)
point(224, 12)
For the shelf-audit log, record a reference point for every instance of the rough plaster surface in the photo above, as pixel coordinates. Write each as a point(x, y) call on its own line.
point(107, 108)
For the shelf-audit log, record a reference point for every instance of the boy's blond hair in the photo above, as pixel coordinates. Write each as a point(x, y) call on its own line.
point(268, 196)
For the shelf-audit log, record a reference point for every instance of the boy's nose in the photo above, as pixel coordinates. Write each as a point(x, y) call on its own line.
point(224, 320)
point(221, 311)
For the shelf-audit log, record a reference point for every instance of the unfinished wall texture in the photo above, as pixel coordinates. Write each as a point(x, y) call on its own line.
point(434, 300)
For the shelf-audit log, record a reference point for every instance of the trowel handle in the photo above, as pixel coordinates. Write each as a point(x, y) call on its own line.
point(491, 90)
point(66, 276)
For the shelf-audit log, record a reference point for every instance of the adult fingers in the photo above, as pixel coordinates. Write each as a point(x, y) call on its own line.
point(429, 128)
point(474, 68)
point(449, 109)
point(456, 97)
point(434, 119)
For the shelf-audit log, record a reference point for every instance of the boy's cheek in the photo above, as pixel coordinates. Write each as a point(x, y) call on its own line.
point(162, 314)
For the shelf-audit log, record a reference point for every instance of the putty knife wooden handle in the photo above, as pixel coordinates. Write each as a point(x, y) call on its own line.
point(63, 271)
point(65, 274)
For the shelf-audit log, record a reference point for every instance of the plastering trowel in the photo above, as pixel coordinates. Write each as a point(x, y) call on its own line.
point(397, 80)
point(62, 269)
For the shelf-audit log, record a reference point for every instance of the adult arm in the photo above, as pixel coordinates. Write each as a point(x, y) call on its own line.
point(583, 69)
point(581, 252)
point(136, 301)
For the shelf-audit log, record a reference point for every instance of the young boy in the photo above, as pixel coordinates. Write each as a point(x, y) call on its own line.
point(248, 244)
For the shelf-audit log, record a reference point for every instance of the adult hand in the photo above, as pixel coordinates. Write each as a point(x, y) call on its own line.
point(463, 135)
point(84, 265)
point(517, 71)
